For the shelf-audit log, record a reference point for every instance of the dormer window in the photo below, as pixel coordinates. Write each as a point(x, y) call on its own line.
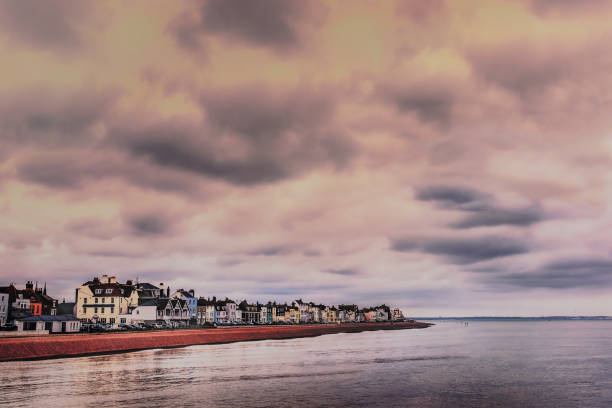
point(108, 291)
point(98, 291)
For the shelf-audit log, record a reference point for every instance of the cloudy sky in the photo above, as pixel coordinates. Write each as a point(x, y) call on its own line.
point(450, 158)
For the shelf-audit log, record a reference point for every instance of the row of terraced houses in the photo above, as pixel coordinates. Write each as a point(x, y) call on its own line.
point(107, 301)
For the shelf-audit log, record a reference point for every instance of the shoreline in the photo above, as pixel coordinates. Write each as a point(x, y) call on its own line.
point(88, 344)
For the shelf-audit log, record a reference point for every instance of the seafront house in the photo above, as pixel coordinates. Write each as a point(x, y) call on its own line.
point(201, 314)
point(172, 310)
point(102, 300)
point(293, 315)
point(369, 315)
point(220, 313)
point(207, 311)
point(332, 314)
point(324, 313)
point(281, 312)
point(396, 314)
point(263, 314)
point(4, 305)
point(46, 324)
point(230, 310)
point(304, 313)
point(66, 308)
point(145, 312)
point(147, 291)
point(250, 312)
point(189, 297)
point(314, 312)
point(382, 313)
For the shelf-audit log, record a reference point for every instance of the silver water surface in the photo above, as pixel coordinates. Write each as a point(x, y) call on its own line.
point(485, 364)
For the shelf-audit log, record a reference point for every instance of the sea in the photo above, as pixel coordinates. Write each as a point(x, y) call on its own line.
point(452, 364)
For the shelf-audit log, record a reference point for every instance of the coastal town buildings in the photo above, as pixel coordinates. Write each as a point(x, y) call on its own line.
point(147, 291)
point(189, 297)
point(102, 300)
point(4, 305)
point(45, 324)
point(105, 301)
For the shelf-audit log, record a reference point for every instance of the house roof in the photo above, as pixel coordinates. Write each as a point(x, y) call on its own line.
point(150, 302)
point(46, 318)
point(115, 287)
point(146, 285)
point(65, 308)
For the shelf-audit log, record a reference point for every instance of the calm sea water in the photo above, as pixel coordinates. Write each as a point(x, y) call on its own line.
point(486, 364)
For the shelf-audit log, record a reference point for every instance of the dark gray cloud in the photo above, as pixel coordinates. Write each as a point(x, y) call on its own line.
point(261, 114)
point(81, 168)
point(519, 68)
point(271, 251)
point(148, 224)
point(251, 136)
point(172, 153)
point(51, 171)
point(267, 23)
point(547, 7)
point(565, 274)
point(463, 250)
point(59, 119)
point(496, 216)
point(343, 272)
point(432, 101)
point(49, 24)
point(481, 206)
point(450, 195)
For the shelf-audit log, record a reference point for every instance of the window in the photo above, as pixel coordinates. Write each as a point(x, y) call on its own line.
point(123, 320)
point(96, 300)
point(112, 310)
point(112, 320)
point(102, 310)
point(84, 310)
point(84, 300)
point(112, 300)
point(95, 310)
point(103, 300)
point(98, 291)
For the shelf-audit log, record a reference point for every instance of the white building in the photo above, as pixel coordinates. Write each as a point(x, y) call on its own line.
point(4, 308)
point(144, 313)
point(38, 325)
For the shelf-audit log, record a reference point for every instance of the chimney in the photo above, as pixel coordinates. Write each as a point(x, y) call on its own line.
point(168, 291)
point(129, 282)
point(96, 279)
point(104, 279)
point(29, 285)
point(112, 279)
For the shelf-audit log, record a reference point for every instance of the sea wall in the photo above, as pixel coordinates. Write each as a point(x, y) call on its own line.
point(72, 345)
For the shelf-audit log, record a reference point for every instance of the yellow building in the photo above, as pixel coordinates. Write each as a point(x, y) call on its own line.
point(331, 315)
point(294, 315)
point(103, 300)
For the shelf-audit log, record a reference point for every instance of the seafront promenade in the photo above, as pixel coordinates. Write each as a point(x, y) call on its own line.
point(73, 345)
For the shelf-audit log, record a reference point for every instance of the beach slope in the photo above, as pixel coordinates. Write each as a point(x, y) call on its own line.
point(73, 345)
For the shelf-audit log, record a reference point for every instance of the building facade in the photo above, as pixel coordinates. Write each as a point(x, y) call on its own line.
point(103, 300)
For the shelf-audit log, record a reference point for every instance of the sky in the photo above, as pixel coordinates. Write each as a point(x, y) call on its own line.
point(447, 157)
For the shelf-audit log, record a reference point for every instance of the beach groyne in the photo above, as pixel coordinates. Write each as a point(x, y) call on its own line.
point(82, 344)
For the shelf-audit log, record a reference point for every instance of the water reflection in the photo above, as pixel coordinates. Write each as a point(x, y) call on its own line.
point(545, 364)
